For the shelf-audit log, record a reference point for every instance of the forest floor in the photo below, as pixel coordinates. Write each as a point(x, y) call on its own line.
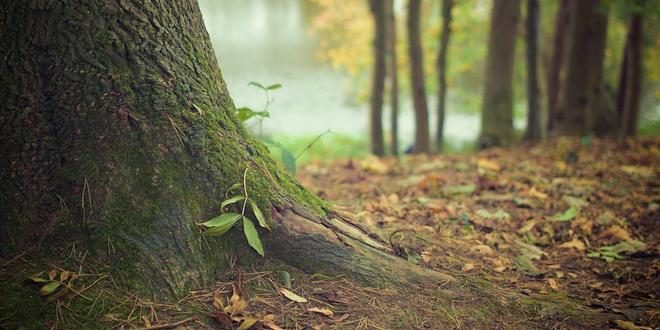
point(562, 235)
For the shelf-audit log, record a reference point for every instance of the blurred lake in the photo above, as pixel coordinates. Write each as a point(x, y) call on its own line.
point(268, 41)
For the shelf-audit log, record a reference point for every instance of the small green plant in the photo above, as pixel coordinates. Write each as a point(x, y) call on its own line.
point(244, 113)
point(224, 222)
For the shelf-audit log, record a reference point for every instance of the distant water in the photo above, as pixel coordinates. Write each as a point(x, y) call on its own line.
point(268, 42)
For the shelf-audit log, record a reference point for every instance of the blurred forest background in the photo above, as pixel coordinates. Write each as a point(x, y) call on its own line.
point(334, 62)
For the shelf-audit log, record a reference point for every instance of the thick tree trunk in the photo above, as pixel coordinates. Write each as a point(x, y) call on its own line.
point(422, 139)
point(118, 135)
point(442, 72)
point(573, 115)
point(394, 77)
point(632, 86)
point(562, 22)
point(533, 132)
point(378, 78)
point(497, 109)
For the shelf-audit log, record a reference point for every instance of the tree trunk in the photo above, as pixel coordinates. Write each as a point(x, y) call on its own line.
point(573, 116)
point(632, 87)
point(442, 72)
point(119, 135)
point(600, 106)
point(394, 77)
point(533, 132)
point(378, 78)
point(497, 109)
point(562, 22)
point(422, 140)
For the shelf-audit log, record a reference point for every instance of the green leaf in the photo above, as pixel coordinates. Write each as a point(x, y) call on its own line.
point(273, 87)
point(231, 201)
point(49, 288)
point(568, 215)
point(221, 224)
point(259, 215)
point(256, 84)
point(234, 187)
point(289, 161)
point(252, 236)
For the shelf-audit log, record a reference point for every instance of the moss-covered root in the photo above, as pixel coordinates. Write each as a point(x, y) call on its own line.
point(332, 245)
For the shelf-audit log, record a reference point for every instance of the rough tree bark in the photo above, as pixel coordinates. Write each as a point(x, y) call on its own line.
point(117, 130)
point(422, 139)
point(442, 72)
point(562, 22)
point(497, 108)
point(377, 8)
point(394, 77)
point(573, 114)
point(533, 131)
point(631, 82)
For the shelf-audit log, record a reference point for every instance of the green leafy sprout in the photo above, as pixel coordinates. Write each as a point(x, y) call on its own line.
point(221, 224)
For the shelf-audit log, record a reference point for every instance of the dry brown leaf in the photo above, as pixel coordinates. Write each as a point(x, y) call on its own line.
point(573, 244)
point(52, 274)
point(467, 267)
point(426, 257)
point(323, 311)
point(64, 276)
point(341, 318)
point(236, 304)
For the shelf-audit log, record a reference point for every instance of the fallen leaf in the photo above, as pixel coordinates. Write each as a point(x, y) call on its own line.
point(499, 269)
point(323, 311)
point(247, 323)
point(483, 249)
point(533, 252)
point(467, 267)
point(236, 304)
point(292, 296)
point(573, 244)
point(527, 226)
point(374, 165)
point(488, 164)
point(64, 276)
point(49, 288)
point(341, 318)
point(553, 284)
point(535, 193)
point(566, 216)
point(617, 232)
point(426, 256)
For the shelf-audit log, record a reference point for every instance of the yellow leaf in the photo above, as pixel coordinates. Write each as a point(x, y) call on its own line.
point(553, 284)
point(467, 267)
point(426, 257)
point(527, 227)
point(248, 322)
point(617, 232)
point(488, 164)
point(483, 249)
point(573, 244)
point(323, 311)
point(499, 269)
point(535, 193)
point(374, 165)
point(292, 296)
point(236, 304)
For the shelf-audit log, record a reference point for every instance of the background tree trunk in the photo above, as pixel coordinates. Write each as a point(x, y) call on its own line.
point(533, 132)
point(600, 106)
point(573, 116)
point(632, 87)
point(422, 140)
point(119, 135)
point(497, 109)
point(560, 41)
point(378, 78)
point(394, 77)
point(442, 72)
